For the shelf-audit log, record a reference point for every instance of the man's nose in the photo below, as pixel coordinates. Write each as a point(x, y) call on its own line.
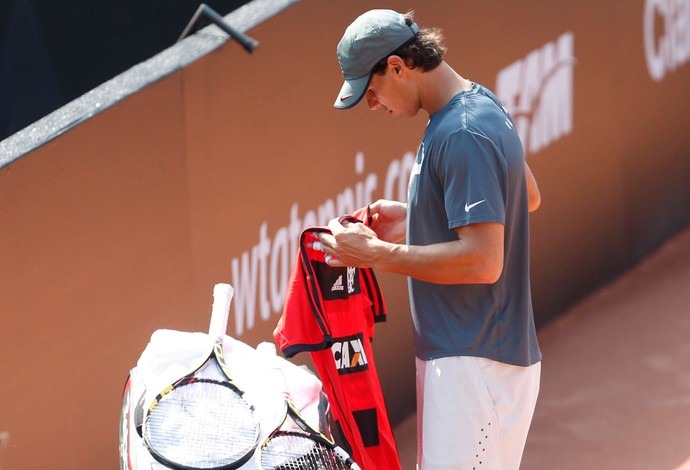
point(372, 101)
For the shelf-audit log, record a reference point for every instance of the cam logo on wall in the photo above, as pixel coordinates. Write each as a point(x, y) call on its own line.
point(668, 47)
point(538, 92)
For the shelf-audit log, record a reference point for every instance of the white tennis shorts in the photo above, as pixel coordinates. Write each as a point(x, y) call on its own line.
point(473, 413)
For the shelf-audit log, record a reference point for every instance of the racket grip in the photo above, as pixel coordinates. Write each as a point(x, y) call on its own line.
point(222, 296)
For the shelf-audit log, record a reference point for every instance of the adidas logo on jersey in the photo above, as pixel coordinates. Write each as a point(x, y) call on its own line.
point(338, 284)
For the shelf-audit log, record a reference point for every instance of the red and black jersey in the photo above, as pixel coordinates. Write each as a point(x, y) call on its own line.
point(330, 312)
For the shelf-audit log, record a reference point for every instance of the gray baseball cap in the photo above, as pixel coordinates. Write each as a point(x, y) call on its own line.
point(371, 37)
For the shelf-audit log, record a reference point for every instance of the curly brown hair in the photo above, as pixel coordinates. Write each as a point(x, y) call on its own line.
point(425, 50)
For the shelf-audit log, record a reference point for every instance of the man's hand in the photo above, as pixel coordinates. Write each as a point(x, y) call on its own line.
point(351, 244)
point(389, 220)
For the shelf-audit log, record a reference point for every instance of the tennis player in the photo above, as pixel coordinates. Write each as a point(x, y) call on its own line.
point(462, 239)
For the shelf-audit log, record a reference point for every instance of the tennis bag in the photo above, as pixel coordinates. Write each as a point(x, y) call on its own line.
point(263, 379)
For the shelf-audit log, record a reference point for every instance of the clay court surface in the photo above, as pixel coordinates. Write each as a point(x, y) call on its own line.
point(615, 389)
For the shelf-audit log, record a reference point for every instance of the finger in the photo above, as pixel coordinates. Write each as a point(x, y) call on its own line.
point(326, 240)
point(333, 262)
point(336, 227)
point(318, 246)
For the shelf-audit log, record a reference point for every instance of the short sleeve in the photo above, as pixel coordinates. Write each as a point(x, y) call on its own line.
point(473, 174)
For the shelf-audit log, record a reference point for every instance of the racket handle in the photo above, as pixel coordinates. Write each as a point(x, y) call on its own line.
point(222, 296)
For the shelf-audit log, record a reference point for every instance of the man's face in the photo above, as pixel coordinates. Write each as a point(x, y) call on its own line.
point(390, 93)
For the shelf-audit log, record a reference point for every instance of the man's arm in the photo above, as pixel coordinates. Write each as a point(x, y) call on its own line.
point(476, 257)
point(533, 195)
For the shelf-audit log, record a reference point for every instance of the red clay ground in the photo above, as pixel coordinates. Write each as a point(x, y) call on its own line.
point(615, 389)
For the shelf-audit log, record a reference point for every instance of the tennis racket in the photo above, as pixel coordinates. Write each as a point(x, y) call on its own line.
point(295, 445)
point(202, 421)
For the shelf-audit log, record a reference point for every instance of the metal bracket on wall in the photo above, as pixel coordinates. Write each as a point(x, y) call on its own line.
point(205, 15)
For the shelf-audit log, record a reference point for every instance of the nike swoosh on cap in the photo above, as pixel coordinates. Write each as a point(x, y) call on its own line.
point(343, 98)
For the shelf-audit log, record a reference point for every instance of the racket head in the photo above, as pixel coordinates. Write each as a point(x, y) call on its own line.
point(298, 450)
point(301, 447)
point(201, 423)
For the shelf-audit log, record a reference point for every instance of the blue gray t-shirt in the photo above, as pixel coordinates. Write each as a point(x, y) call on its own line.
point(470, 168)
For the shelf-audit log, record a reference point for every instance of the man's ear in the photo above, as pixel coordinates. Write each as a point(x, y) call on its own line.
point(397, 65)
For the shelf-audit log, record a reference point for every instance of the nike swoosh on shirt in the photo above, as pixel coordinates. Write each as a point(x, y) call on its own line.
point(470, 206)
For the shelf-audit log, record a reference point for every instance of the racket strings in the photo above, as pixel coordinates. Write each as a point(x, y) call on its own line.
point(297, 451)
point(202, 424)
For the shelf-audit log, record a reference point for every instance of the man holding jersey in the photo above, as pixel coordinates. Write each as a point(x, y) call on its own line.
point(462, 239)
